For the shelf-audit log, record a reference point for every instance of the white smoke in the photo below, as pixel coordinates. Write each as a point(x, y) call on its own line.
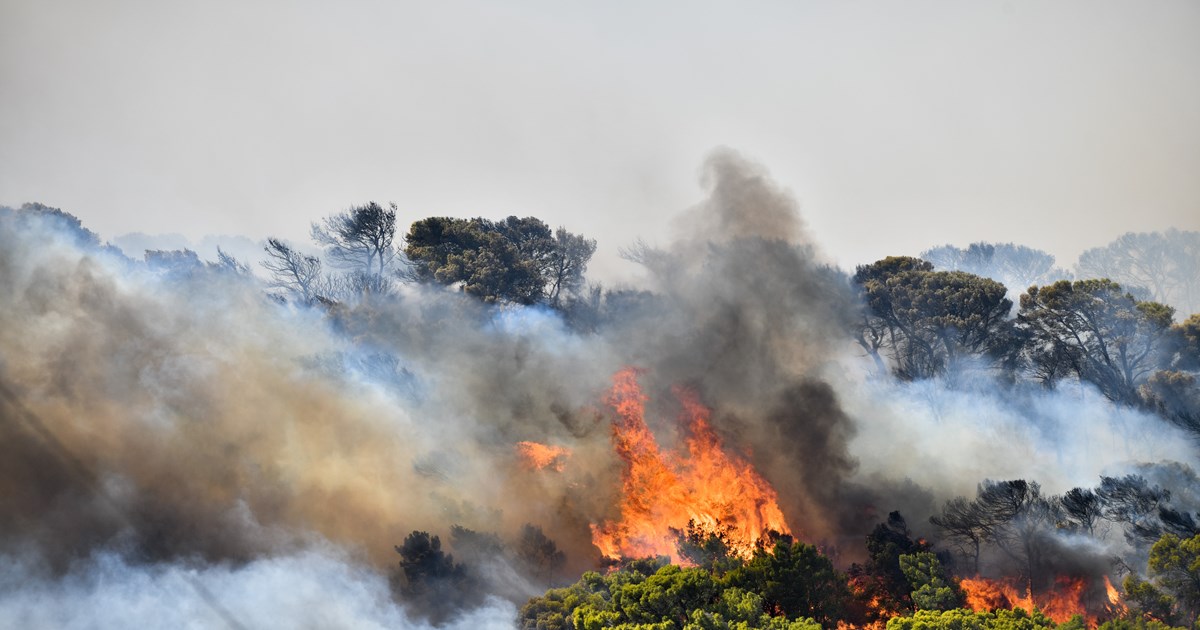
point(316, 588)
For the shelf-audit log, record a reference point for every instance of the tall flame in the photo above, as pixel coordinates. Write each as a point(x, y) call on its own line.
point(662, 492)
point(1115, 605)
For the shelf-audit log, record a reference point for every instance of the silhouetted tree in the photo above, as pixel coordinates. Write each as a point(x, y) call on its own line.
point(296, 273)
point(880, 579)
point(1021, 523)
point(1132, 501)
point(1096, 330)
point(226, 263)
point(1015, 266)
point(359, 240)
point(539, 554)
point(1011, 516)
point(1082, 509)
point(178, 263)
point(966, 524)
point(475, 547)
point(1181, 524)
point(929, 321)
point(1183, 344)
point(1166, 264)
point(433, 582)
point(566, 265)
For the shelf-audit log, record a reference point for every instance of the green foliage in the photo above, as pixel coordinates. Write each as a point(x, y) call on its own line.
point(514, 260)
point(960, 619)
point(664, 599)
point(1145, 598)
point(742, 610)
point(705, 548)
point(795, 580)
point(644, 566)
point(555, 610)
point(1175, 566)
point(784, 590)
point(667, 596)
point(932, 589)
point(1138, 623)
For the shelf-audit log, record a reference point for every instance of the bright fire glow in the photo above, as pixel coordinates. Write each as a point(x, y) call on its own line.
point(664, 491)
point(1061, 603)
point(1115, 605)
point(537, 456)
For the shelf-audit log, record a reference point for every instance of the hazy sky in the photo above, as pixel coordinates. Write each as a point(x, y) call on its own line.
point(898, 125)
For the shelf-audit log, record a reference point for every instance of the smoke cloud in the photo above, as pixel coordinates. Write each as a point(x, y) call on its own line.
point(171, 435)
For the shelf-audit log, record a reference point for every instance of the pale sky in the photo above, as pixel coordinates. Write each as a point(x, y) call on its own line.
point(897, 125)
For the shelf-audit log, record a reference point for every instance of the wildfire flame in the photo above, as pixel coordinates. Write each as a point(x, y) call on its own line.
point(537, 456)
point(1115, 605)
point(1063, 601)
point(661, 492)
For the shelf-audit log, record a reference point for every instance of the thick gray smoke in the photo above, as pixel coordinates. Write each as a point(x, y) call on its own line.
point(167, 436)
point(747, 315)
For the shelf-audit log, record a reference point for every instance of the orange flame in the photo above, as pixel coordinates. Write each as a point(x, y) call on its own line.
point(1063, 601)
point(1115, 606)
point(537, 456)
point(661, 492)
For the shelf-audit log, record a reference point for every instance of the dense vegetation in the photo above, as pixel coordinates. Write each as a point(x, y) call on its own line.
point(793, 585)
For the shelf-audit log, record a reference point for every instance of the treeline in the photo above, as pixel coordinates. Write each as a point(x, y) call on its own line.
point(919, 323)
point(516, 260)
point(947, 315)
point(1159, 266)
point(787, 584)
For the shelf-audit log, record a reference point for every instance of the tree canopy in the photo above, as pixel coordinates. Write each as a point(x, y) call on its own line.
point(359, 241)
point(1015, 266)
point(515, 260)
point(1165, 264)
point(1096, 330)
point(927, 321)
